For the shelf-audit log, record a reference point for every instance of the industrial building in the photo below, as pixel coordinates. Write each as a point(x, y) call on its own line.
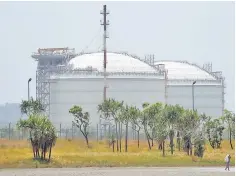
point(65, 78)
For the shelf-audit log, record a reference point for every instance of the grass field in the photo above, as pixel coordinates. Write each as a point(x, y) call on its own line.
point(74, 153)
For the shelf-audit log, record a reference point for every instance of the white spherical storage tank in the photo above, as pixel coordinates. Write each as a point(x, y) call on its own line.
point(128, 79)
point(133, 81)
point(194, 87)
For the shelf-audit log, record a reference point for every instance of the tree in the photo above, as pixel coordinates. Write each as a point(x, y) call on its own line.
point(136, 120)
point(171, 114)
point(42, 134)
point(229, 118)
point(189, 122)
point(199, 145)
point(148, 119)
point(81, 120)
point(127, 115)
point(110, 109)
point(214, 130)
point(124, 117)
point(31, 106)
point(161, 130)
point(178, 123)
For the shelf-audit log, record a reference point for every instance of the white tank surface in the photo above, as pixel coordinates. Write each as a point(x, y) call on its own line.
point(133, 81)
point(129, 79)
point(206, 95)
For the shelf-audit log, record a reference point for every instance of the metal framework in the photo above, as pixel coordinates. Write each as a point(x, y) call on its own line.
point(220, 80)
point(54, 65)
point(206, 67)
point(49, 60)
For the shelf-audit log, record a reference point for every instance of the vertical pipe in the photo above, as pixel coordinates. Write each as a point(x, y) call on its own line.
point(29, 88)
point(165, 72)
point(223, 95)
point(193, 95)
point(28, 92)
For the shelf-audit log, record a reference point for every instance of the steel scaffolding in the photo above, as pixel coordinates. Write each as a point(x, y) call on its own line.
point(49, 60)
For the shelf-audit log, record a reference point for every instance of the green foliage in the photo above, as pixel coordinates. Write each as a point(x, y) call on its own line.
point(136, 118)
point(110, 109)
point(81, 120)
point(42, 134)
point(161, 128)
point(228, 119)
point(161, 122)
point(214, 129)
point(199, 145)
point(150, 113)
point(31, 106)
point(172, 114)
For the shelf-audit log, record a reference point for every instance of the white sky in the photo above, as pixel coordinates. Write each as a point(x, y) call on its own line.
point(198, 32)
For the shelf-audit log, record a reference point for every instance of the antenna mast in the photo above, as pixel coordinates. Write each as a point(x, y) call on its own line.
point(105, 23)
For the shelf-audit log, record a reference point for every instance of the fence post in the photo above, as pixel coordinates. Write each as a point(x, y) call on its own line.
point(22, 134)
point(97, 132)
point(109, 130)
point(66, 132)
point(9, 130)
point(60, 130)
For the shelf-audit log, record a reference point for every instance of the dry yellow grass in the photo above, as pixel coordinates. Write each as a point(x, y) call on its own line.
point(66, 153)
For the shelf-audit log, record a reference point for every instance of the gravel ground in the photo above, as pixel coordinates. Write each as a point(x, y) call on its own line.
point(181, 171)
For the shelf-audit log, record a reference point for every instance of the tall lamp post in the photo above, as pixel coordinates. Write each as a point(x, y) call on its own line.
point(194, 82)
point(30, 79)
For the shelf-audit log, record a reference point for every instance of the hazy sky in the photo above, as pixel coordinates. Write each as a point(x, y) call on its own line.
point(198, 32)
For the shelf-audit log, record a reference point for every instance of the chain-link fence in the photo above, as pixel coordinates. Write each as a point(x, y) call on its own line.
point(69, 131)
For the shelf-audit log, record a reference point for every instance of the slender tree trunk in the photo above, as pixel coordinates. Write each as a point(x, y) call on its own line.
point(172, 145)
point(160, 145)
point(152, 142)
point(37, 151)
point(117, 138)
point(163, 148)
point(149, 145)
point(138, 138)
point(32, 145)
point(120, 134)
point(44, 151)
point(178, 140)
point(50, 151)
point(190, 145)
point(87, 141)
point(148, 139)
point(34, 151)
point(230, 139)
point(126, 138)
point(113, 146)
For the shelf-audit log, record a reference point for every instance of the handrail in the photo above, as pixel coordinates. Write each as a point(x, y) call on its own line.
point(193, 64)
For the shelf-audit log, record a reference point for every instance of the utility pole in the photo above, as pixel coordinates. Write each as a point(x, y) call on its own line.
point(104, 23)
point(30, 79)
point(194, 82)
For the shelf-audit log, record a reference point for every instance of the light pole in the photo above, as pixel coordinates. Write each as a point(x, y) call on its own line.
point(30, 79)
point(194, 82)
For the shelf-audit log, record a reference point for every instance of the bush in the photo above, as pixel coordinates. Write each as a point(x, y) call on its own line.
point(199, 147)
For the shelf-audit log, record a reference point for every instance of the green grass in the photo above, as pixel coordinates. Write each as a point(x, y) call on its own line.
point(66, 153)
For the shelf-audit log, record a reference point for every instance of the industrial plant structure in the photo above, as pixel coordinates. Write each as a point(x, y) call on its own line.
point(65, 79)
